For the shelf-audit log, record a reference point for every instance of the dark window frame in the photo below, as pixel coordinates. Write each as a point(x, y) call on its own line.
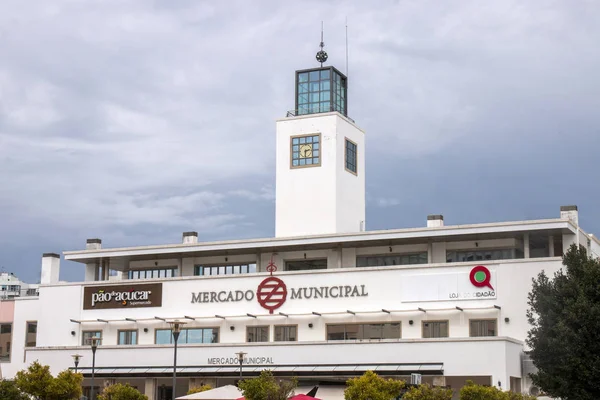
point(362, 324)
point(497, 251)
point(319, 157)
point(27, 333)
point(137, 336)
point(285, 327)
point(267, 327)
point(353, 154)
point(431, 336)
point(83, 343)
point(179, 341)
point(9, 342)
point(337, 92)
point(421, 254)
point(135, 274)
point(286, 264)
point(494, 320)
point(198, 268)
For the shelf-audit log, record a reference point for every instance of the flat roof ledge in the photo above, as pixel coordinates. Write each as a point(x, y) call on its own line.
point(357, 239)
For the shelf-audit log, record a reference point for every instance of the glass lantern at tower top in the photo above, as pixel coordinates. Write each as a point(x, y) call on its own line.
point(320, 90)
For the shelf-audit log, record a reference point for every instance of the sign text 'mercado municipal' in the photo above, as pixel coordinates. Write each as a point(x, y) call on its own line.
point(321, 292)
point(235, 361)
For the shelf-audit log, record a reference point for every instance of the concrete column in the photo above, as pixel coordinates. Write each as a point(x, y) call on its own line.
point(258, 261)
point(150, 388)
point(429, 253)
point(526, 245)
point(551, 246)
point(438, 252)
point(568, 239)
point(50, 268)
point(339, 260)
point(90, 272)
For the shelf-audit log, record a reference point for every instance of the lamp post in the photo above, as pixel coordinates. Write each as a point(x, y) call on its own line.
point(176, 329)
point(240, 357)
point(94, 341)
point(76, 358)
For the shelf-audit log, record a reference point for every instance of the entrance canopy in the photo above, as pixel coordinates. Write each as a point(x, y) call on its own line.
point(228, 392)
point(303, 370)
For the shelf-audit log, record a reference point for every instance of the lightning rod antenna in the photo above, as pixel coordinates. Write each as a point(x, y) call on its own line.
point(347, 47)
point(321, 54)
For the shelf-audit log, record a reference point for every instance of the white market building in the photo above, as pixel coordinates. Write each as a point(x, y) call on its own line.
point(447, 302)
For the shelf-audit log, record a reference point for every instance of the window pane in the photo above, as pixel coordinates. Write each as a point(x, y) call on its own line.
point(285, 333)
point(483, 328)
point(5, 341)
point(336, 332)
point(303, 77)
point(163, 336)
point(302, 265)
point(372, 331)
point(314, 76)
point(353, 332)
point(194, 336)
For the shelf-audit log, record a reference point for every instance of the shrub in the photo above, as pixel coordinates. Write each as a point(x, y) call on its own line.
point(199, 389)
point(427, 392)
point(121, 391)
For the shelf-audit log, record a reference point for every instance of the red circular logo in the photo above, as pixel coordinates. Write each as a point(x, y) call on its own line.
point(480, 277)
point(271, 293)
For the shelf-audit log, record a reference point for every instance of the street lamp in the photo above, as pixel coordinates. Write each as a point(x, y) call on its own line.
point(76, 358)
point(176, 328)
point(240, 357)
point(94, 341)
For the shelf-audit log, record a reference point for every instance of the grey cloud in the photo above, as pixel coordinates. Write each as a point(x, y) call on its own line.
point(137, 120)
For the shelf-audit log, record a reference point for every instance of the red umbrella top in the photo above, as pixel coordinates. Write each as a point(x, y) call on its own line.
point(302, 397)
point(296, 397)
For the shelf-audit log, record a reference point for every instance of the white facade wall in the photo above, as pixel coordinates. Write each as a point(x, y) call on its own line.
point(323, 199)
point(26, 309)
point(396, 289)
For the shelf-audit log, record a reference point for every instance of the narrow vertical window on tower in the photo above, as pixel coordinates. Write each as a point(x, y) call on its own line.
point(351, 156)
point(305, 151)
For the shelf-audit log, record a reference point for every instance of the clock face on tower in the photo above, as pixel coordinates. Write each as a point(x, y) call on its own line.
point(305, 151)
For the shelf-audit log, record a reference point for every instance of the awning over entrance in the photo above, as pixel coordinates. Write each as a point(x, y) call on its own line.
point(280, 370)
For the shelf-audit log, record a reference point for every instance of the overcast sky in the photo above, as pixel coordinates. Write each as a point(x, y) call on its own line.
point(134, 121)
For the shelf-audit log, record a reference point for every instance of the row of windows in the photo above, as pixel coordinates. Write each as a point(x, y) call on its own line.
point(6, 338)
point(482, 255)
point(168, 272)
point(11, 288)
point(230, 269)
point(321, 263)
point(289, 333)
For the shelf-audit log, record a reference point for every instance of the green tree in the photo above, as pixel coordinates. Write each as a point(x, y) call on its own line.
point(266, 387)
point(38, 382)
point(371, 386)
point(121, 391)
point(427, 392)
point(10, 391)
point(564, 315)
point(472, 391)
point(199, 389)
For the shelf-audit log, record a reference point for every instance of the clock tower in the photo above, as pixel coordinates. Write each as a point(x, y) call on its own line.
point(320, 176)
